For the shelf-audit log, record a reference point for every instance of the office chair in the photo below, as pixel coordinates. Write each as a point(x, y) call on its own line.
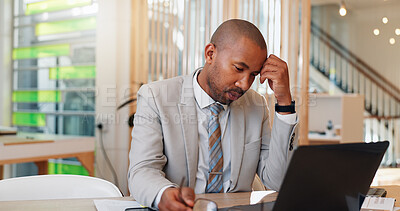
point(57, 186)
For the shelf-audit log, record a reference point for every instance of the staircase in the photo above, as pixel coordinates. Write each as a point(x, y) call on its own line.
point(352, 75)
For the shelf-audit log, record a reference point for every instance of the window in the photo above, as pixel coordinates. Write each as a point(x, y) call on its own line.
point(180, 29)
point(54, 70)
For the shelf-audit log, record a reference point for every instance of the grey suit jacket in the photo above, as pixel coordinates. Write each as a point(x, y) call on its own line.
point(165, 137)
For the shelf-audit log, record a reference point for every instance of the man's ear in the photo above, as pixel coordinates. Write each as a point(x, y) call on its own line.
point(209, 53)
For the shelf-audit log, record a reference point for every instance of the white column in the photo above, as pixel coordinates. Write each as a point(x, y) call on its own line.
point(5, 69)
point(5, 61)
point(112, 84)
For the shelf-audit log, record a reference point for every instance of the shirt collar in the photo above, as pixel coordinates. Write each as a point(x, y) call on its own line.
point(202, 98)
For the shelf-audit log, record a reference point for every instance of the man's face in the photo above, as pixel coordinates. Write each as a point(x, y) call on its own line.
point(233, 70)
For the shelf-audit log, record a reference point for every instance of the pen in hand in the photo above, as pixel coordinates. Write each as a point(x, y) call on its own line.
point(177, 198)
point(180, 192)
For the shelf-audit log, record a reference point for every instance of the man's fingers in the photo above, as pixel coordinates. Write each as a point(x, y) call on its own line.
point(271, 68)
point(272, 56)
point(171, 200)
point(188, 196)
point(268, 71)
point(271, 84)
point(276, 71)
point(274, 60)
point(272, 75)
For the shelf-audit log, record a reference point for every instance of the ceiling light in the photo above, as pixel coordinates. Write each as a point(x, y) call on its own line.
point(385, 20)
point(376, 32)
point(342, 10)
point(392, 41)
point(166, 4)
point(397, 31)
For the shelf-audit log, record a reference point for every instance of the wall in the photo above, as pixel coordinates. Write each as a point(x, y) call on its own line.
point(5, 69)
point(5, 61)
point(112, 83)
point(355, 31)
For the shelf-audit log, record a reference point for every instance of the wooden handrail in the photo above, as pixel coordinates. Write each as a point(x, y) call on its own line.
point(356, 58)
point(381, 117)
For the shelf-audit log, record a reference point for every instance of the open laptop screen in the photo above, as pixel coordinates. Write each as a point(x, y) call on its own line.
point(329, 177)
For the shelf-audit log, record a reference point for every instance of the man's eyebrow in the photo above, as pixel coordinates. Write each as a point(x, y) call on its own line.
point(243, 65)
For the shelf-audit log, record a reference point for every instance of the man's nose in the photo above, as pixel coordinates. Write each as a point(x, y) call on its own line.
point(244, 83)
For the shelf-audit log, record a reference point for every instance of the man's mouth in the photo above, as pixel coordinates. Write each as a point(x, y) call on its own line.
point(232, 95)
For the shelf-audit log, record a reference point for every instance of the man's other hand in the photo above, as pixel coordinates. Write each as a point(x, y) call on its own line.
point(172, 200)
point(276, 71)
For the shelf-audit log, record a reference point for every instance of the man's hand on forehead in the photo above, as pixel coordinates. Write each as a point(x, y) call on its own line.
point(276, 71)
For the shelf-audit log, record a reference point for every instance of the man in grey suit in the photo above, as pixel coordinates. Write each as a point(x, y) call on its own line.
point(210, 127)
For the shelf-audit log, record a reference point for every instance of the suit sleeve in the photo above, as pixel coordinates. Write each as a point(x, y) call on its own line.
point(147, 160)
point(276, 150)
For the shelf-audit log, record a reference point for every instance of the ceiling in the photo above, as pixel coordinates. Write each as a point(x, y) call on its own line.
point(356, 3)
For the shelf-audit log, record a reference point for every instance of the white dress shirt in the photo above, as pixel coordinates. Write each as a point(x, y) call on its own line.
point(203, 101)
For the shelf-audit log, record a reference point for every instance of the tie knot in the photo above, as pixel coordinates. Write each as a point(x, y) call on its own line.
point(216, 108)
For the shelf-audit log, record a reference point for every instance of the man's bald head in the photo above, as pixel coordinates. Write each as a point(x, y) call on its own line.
point(231, 31)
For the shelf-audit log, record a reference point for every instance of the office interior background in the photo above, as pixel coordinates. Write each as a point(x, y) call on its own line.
point(68, 65)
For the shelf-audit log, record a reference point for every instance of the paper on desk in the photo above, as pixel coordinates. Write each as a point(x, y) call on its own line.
point(378, 204)
point(115, 205)
point(256, 196)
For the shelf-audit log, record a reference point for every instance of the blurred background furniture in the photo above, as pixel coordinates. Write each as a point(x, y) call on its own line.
point(346, 112)
point(38, 148)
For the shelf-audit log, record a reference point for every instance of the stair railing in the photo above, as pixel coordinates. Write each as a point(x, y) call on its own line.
point(353, 75)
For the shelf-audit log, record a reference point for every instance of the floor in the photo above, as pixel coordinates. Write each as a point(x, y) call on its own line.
point(387, 176)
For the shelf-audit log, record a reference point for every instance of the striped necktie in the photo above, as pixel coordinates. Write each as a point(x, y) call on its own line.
point(215, 151)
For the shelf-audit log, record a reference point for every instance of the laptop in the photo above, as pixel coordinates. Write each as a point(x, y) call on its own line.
point(327, 177)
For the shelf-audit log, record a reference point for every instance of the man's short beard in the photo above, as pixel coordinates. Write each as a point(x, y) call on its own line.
point(219, 95)
point(216, 94)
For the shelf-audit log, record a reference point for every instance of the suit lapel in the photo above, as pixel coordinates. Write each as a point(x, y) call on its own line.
point(237, 142)
point(188, 117)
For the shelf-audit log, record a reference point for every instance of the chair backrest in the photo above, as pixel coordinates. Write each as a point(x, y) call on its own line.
point(56, 187)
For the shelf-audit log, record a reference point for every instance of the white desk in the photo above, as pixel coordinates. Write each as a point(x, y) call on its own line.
point(39, 148)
